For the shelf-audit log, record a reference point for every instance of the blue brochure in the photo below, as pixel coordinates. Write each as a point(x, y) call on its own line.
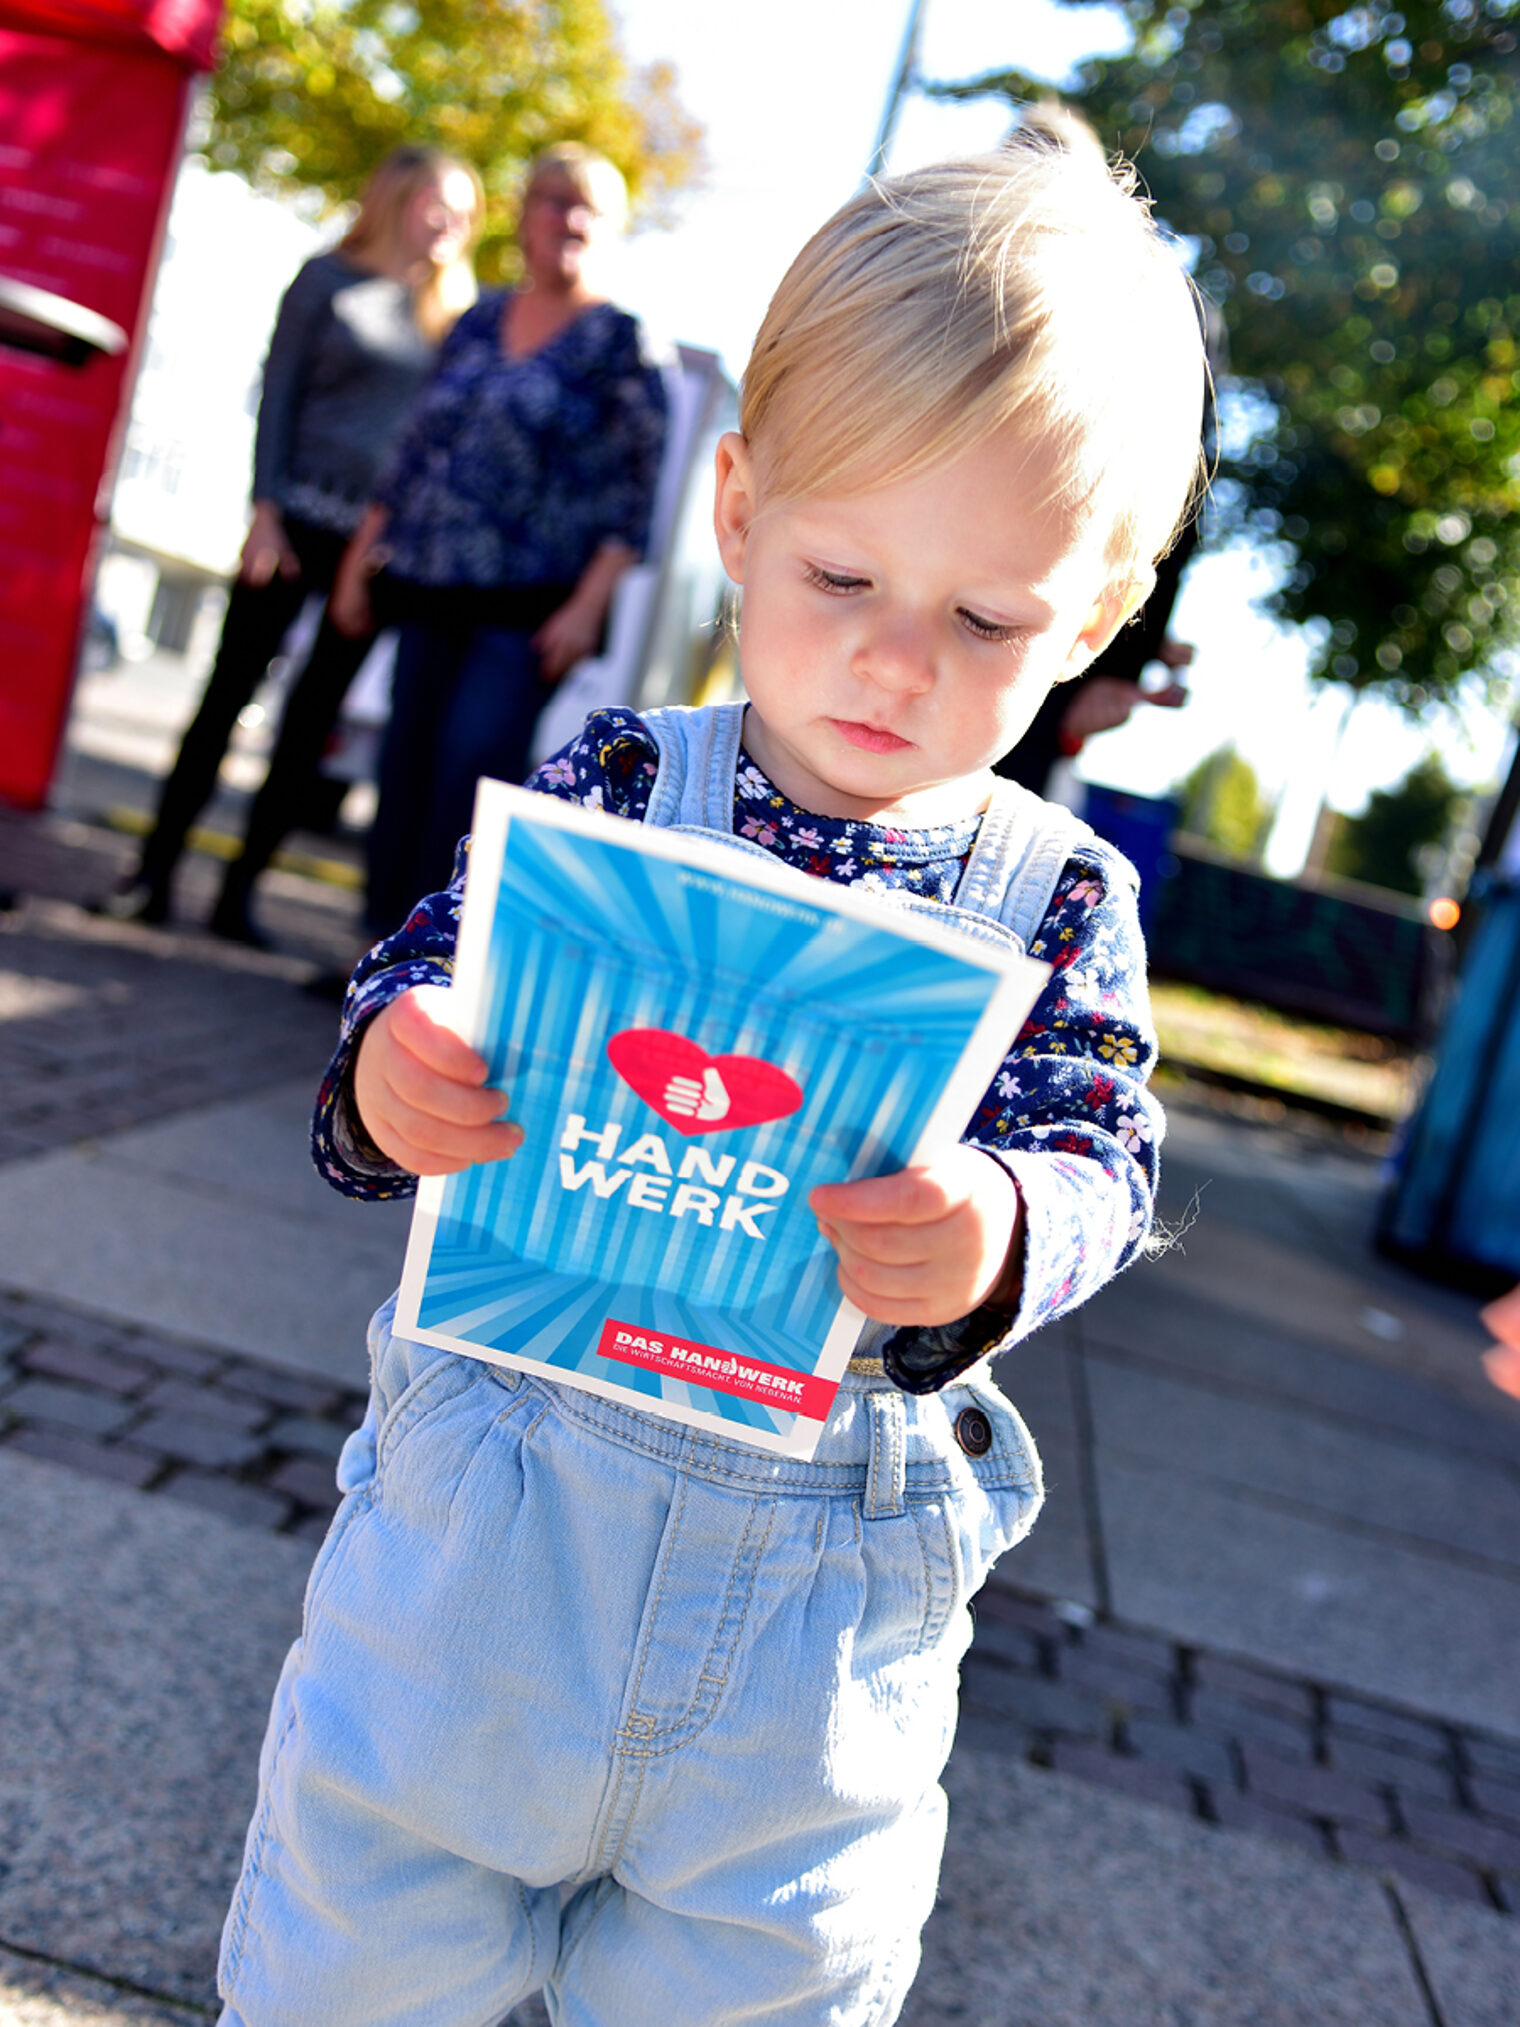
point(692, 1036)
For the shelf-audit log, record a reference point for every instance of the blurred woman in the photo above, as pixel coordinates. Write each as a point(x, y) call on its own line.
point(356, 336)
point(518, 494)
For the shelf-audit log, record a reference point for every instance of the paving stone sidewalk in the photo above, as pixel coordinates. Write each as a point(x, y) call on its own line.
point(1048, 1683)
point(252, 1442)
point(103, 1028)
point(98, 1033)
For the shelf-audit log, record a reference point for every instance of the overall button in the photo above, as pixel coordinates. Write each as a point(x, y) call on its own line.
point(973, 1432)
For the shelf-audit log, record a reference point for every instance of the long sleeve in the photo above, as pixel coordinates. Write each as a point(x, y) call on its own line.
point(516, 470)
point(1069, 1116)
point(304, 308)
point(631, 442)
point(610, 766)
point(421, 952)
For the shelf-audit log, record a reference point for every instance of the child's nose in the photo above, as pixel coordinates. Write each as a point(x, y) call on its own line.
point(898, 657)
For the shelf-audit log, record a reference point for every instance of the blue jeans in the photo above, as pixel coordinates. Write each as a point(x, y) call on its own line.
point(463, 704)
point(590, 1702)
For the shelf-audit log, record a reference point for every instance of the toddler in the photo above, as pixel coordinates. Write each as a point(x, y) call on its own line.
point(592, 1702)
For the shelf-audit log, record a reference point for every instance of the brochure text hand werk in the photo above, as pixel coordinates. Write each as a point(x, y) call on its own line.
point(698, 1093)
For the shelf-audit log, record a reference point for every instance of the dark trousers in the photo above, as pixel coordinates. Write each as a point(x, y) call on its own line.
point(464, 703)
point(256, 622)
point(288, 799)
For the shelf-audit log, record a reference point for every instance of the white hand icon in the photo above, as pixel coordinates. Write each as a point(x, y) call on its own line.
point(707, 1100)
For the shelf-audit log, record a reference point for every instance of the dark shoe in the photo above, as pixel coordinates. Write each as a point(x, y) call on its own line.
point(231, 921)
point(134, 900)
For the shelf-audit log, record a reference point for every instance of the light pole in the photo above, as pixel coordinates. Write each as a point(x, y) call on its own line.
point(905, 76)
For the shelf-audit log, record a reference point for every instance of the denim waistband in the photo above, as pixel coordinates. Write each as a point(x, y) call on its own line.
point(879, 1443)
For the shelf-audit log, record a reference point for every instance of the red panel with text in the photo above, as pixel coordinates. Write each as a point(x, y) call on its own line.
point(90, 140)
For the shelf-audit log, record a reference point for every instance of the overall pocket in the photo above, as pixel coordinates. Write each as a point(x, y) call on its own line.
point(998, 1495)
point(411, 1387)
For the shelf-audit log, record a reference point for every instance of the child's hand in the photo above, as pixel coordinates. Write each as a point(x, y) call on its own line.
point(422, 1093)
point(927, 1245)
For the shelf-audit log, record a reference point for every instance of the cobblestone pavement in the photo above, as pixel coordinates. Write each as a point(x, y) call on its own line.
point(1233, 1744)
point(252, 1442)
point(1246, 1747)
point(99, 1032)
point(105, 1026)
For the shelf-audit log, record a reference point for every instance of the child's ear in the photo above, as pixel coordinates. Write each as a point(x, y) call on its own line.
point(734, 504)
point(1114, 607)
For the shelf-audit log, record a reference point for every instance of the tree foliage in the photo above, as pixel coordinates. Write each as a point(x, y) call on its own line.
point(312, 93)
point(1222, 803)
point(1385, 844)
point(1347, 176)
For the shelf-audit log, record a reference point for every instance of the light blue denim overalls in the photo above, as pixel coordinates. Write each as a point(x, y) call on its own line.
point(589, 1701)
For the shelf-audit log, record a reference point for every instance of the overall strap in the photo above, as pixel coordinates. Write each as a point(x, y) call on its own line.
point(699, 756)
point(1022, 844)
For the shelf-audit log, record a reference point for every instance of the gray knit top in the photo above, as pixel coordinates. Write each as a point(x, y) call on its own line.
point(344, 363)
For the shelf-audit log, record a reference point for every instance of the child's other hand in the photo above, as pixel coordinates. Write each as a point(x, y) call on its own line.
point(422, 1093)
point(927, 1245)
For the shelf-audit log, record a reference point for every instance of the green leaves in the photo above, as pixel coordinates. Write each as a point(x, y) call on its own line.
point(1346, 177)
point(1222, 803)
point(1387, 845)
point(312, 93)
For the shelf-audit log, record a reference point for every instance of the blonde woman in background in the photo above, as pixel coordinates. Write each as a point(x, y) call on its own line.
point(356, 336)
point(519, 492)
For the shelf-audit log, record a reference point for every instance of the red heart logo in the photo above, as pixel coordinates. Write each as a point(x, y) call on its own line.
point(698, 1093)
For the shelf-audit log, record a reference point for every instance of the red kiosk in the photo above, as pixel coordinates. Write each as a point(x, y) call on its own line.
point(93, 98)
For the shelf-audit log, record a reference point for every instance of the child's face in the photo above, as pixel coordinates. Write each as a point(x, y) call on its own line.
point(897, 642)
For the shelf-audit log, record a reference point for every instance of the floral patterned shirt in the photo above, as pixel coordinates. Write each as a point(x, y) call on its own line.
point(514, 471)
point(1067, 1114)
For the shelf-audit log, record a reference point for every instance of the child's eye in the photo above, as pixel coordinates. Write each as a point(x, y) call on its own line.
point(837, 582)
point(985, 629)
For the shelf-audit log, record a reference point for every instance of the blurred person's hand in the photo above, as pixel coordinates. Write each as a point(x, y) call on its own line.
point(422, 1094)
point(267, 548)
point(1107, 702)
point(575, 630)
point(1502, 1363)
point(348, 605)
point(567, 637)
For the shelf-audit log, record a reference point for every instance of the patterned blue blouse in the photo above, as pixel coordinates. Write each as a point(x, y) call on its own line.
point(1068, 1113)
point(514, 471)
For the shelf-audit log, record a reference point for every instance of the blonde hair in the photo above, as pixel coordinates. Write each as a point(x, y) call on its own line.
point(1030, 286)
point(445, 292)
point(598, 181)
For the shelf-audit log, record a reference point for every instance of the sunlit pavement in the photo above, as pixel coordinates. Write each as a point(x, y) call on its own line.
point(1242, 1731)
